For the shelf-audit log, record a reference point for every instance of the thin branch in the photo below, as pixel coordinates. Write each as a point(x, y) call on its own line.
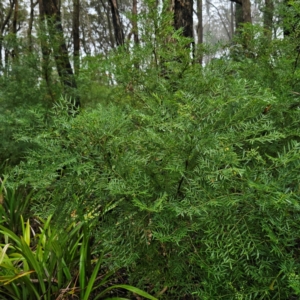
point(221, 18)
point(12, 4)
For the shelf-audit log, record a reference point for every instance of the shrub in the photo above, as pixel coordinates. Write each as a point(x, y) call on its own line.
point(196, 182)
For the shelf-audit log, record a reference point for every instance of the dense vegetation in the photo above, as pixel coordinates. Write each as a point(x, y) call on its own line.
point(172, 179)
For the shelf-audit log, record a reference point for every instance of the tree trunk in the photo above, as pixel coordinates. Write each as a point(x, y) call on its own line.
point(200, 29)
point(107, 12)
point(238, 16)
point(76, 37)
point(242, 13)
point(134, 22)
point(30, 24)
point(55, 29)
point(117, 24)
point(183, 16)
point(15, 19)
point(2, 28)
point(268, 18)
point(246, 5)
point(45, 47)
point(289, 20)
point(242, 16)
point(15, 51)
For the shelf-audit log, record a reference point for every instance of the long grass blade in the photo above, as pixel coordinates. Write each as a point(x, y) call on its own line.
point(26, 232)
point(82, 264)
point(117, 298)
point(17, 277)
point(3, 252)
point(128, 288)
point(32, 261)
point(92, 279)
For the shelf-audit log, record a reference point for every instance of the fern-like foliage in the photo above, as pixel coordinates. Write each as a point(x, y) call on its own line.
point(189, 175)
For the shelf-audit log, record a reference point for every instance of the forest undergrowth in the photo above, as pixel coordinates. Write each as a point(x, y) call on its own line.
point(173, 180)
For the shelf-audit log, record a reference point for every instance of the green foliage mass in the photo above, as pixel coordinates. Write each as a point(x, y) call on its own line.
point(38, 258)
point(193, 181)
point(187, 176)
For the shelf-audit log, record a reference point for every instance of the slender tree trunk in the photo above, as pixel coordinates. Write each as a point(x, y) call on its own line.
point(15, 51)
point(60, 49)
point(76, 37)
point(200, 28)
point(287, 24)
point(117, 24)
point(134, 22)
point(45, 47)
point(107, 13)
point(30, 24)
point(110, 30)
point(268, 18)
point(15, 19)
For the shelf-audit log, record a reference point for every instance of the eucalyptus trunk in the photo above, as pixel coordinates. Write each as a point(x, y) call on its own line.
point(242, 13)
point(76, 35)
point(46, 50)
point(117, 24)
point(30, 24)
point(60, 50)
point(199, 29)
point(183, 16)
point(14, 53)
point(246, 5)
point(134, 22)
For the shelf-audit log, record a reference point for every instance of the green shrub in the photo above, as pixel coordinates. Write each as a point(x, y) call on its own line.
point(198, 189)
point(187, 176)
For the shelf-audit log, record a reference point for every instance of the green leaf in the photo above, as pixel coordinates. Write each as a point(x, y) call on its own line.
point(128, 288)
point(92, 279)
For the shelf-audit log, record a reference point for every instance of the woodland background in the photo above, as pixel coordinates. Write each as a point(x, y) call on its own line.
point(149, 149)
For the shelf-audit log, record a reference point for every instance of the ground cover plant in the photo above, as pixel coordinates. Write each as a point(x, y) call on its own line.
point(43, 261)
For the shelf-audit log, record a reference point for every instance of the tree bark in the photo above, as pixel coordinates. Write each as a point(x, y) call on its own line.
point(243, 16)
point(117, 24)
point(14, 53)
point(183, 16)
point(246, 5)
point(134, 22)
point(109, 23)
point(268, 18)
point(30, 24)
point(76, 37)
point(45, 47)
point(60, 50)
point(200, 29)
point(15, 19)
point(242, 12)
